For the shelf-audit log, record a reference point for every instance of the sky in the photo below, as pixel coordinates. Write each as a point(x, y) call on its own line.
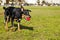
point(34, 1)
point(53, 1)
point(31, 1)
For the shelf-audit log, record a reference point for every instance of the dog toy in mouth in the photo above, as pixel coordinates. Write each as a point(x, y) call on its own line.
point(28, 18)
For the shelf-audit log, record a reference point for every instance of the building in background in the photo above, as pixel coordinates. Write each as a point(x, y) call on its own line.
point(44, 2)
point(31, 2)
point(3, 2)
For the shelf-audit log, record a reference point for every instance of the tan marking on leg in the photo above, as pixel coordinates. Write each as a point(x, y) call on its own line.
point(6, 26)
point(18, 26)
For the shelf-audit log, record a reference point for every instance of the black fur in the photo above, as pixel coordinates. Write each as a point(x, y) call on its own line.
point(14, 13)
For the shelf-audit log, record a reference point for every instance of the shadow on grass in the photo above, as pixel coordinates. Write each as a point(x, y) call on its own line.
point(22, 27)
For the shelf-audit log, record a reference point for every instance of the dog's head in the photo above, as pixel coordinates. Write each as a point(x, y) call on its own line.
point(26, 14)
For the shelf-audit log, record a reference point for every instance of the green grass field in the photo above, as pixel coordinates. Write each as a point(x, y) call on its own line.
point(44, 25)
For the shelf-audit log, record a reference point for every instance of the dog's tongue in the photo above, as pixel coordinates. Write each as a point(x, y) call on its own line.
point(28, 18)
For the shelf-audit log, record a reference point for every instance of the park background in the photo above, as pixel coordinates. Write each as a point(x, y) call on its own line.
point(44, 23)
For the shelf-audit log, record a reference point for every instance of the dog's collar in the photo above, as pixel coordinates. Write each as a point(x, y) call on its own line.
point(19, 19)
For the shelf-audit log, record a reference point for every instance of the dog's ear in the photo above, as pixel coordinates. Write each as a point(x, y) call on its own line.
point(4, 8)
point(29, 10)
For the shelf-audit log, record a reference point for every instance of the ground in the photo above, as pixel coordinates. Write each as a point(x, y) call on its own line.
point(44, 25)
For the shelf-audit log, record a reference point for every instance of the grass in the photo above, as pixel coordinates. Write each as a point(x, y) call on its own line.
point(45, 23)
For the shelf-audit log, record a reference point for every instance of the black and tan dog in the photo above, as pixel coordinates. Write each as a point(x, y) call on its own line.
point(12, 13)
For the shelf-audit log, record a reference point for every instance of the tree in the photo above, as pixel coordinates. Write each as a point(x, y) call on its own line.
point(43, 2)
point(7, 1)
point(21, 1)
point(38, 2)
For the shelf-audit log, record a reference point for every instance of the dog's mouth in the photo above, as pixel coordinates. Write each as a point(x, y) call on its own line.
point(27, 18)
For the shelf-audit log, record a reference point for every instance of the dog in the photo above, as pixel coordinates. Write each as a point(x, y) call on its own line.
point(12, 13)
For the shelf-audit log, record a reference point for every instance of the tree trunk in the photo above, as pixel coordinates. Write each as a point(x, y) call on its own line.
point(7, 1)
point(38, 2)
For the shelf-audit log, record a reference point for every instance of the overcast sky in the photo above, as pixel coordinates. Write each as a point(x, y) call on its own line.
point(34, 1)
point(31, 1)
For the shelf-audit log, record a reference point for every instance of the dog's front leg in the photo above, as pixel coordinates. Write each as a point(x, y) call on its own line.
point(18, 26)
point(4, 18)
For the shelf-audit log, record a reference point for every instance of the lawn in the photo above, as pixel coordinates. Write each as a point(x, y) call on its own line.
point(44, 25)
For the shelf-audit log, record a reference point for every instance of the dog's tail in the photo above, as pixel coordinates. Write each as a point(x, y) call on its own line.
point(4, 8)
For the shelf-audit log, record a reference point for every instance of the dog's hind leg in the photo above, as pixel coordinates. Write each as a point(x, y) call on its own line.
point(5, 18)
point(6, 27)
point(12, 23)
point(6, 23)
point(9, 19)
